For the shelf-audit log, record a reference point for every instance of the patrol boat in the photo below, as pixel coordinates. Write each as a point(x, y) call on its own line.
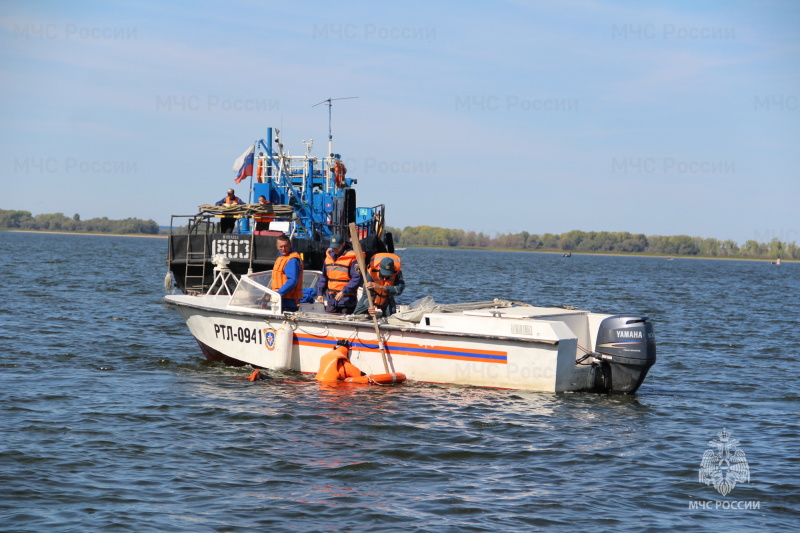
point(496, 343)
point(311, 198)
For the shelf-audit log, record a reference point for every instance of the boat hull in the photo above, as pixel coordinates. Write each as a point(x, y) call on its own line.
point(546, 362)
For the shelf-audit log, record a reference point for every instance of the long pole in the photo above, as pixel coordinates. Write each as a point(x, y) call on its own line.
point(363, 267)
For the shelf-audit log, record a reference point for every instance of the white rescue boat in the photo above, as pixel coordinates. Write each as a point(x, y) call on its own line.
point(496, 343)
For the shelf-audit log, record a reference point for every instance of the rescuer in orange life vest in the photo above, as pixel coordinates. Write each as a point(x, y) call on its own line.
point(287, 275)
point(340, 278)
point(226, 224)
point(386, 282)
point(262, 221)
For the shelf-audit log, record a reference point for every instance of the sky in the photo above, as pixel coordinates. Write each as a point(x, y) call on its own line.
point(662, 118)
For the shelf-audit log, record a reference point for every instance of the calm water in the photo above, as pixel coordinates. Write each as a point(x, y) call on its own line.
point(112, 420)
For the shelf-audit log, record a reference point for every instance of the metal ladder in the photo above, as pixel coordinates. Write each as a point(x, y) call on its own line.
point(195, 274)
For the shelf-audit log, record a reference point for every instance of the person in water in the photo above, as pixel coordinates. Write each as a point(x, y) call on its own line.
point(287, 275)
point(340, 278)
point(227, 223)
point(385, 281)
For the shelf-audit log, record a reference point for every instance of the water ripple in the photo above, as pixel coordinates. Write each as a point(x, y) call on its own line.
point(113, 421)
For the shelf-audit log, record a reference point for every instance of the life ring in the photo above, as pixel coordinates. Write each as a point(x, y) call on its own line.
point(260, 171)
point(339, 170)
point(379, 379)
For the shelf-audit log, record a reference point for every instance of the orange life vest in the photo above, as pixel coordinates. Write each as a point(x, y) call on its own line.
point(279, 276)
point(334, 366)
point(229, 202)
point(264, 218)
point(374, 270)
point(338, 271)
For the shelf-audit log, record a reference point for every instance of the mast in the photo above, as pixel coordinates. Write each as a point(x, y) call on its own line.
point(329, 101)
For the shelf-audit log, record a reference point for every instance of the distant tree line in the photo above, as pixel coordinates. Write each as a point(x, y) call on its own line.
point(595, 241)
point(23, 220)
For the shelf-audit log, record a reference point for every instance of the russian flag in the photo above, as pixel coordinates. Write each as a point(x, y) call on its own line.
point(244, 165)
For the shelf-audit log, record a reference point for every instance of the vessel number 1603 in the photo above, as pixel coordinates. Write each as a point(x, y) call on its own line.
point(227, 333)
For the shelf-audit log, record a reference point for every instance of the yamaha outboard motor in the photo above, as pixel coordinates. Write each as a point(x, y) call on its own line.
point(625, 351)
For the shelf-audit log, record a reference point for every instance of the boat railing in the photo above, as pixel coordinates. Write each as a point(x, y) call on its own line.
point(298, 172)
point(369, 220)
point(196, 259)
point(206, 220)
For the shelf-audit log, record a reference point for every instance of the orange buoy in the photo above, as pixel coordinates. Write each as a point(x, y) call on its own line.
point(379, 379)
point(339, 170)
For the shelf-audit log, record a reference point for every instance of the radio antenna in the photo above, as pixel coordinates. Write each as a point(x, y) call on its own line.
point(329, 101)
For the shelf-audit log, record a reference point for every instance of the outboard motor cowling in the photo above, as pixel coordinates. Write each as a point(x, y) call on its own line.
point(626, 349)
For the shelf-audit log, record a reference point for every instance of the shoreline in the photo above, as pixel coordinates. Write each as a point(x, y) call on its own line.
point(561, 252)
point(609, 254)
point(98, 234)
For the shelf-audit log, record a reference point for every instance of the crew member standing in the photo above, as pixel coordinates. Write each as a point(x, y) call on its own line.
point(340, 278)
point(386, 282)
point(228, 222)
point(287, 275)
point(262, 221)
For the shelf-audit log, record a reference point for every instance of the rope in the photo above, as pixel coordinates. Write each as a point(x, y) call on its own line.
point(248, 209)
point(325, 332)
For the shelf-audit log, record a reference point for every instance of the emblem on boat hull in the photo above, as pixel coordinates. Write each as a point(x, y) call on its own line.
point(724, 466)
point(269, 338)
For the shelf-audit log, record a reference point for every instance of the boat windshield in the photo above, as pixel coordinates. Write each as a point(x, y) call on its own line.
point(253, 290)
